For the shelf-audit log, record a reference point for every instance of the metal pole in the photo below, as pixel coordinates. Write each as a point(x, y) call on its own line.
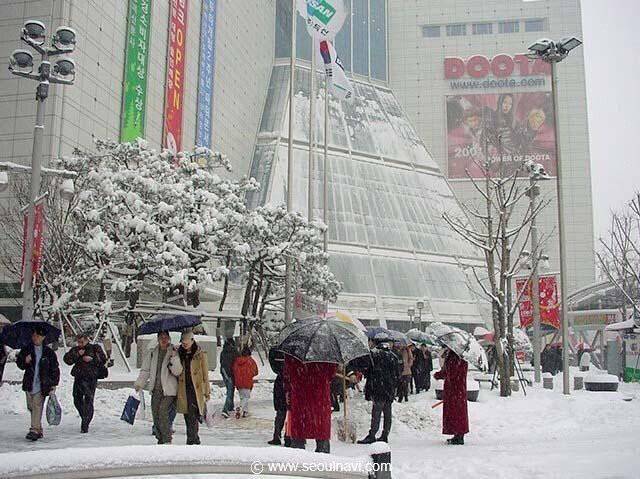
point(312, 127)
point(535, 283)
point(325, 164)
point(563, 244)
point(36, 173)
point(292, 79)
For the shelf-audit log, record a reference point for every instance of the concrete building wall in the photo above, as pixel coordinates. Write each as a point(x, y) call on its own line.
point(417, 77)
point(91, 108)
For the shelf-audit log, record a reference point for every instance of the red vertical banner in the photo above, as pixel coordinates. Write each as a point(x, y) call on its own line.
point(38, 240)
point(174, 87)
point(549, 304)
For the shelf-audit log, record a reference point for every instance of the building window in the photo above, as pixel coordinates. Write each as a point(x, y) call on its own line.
point(457, 30)
point(360, 26)
point(509, 27)
point(431, 31)
point(534, 25)
point(482, 28)
point(378, 36)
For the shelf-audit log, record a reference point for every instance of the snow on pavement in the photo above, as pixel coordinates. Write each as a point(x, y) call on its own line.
point(545, 434)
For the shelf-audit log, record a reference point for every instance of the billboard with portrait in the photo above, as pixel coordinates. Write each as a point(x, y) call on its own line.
point(506, 129)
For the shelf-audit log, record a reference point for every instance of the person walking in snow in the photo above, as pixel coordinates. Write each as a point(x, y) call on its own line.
point(194, 389)
point(244, 370)
point(89, 365)
point(276, 360)
point(159, 374)
point(455, 416)
point(227, 357)
point(382, 377)
point(41, 376)
point(308, 388)
point(405, 380)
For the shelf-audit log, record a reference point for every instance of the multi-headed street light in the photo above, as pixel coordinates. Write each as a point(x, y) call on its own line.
point(553, 53)
point(21, 64)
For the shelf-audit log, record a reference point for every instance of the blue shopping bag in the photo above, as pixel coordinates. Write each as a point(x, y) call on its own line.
point(130, 409)
point(54, 410)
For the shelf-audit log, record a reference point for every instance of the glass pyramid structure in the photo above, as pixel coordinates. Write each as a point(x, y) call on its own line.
point(388, 243)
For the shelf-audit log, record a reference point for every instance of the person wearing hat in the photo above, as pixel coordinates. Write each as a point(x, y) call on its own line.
point(41, 376)
point(88, 361)
point(159, 374)
point(194, 389)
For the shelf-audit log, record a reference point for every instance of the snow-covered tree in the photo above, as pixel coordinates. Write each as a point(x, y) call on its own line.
point(496, 228)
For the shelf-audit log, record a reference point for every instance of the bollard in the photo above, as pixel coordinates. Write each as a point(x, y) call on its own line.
point(578, 382)
point(547, 381)
point(382, 463)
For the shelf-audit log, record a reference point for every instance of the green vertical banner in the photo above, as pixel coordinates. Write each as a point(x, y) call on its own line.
point(134, 97)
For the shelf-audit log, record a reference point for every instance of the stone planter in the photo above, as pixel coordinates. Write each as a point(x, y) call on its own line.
point(601, 383)
point(473, 390)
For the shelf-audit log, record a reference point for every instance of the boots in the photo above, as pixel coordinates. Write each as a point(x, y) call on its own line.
point(457, 440)
point(383, 438)
point(275, 442)
point(370, 439)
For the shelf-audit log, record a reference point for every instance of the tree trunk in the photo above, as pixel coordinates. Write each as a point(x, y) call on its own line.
point(246, 303)
point(258, 291)
point(225, 289)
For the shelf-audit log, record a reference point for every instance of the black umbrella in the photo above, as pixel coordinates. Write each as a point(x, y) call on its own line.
point(323, 340)
point(18, 334)
point(169, 322)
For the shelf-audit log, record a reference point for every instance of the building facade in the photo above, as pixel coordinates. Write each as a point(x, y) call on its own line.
point(455, 64)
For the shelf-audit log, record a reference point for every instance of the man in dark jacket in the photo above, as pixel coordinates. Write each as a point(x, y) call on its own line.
point(276, 360)
point(41, 376)
point(227, 357)
point(88, 361)
point(421, 368)
point(382, 382)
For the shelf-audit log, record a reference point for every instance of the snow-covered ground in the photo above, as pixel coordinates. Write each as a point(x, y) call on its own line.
point(545, 434)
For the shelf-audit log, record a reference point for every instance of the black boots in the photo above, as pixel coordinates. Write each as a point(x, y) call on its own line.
point(275, 442)
point(370, 439)
point(457, 440)
point(383, 438)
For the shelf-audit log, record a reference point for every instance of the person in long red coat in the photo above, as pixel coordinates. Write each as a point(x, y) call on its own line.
point(455, 416)
point(308, 388)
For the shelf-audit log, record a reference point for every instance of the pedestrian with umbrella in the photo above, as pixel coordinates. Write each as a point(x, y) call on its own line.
point(276, 360)
point(160, 370)
point(313, 348)
point(382, 374)
point(39, 363)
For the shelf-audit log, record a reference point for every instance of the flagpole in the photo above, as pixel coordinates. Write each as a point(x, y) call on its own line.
point(312, 125)
point(292, 78)
point(325, 163)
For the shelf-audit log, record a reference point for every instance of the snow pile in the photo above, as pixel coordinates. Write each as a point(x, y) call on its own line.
point(601, 378)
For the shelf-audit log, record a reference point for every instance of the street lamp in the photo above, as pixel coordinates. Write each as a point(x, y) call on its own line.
point(21, 64)
point(411, 312)
point(553, 53)
point(420, 306)
point(536, 173)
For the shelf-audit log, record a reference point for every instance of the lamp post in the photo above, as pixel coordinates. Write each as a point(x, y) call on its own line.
point(420, 306)
point(553, 53)
point(536, 173)
point(411, 312)
point(63, 72)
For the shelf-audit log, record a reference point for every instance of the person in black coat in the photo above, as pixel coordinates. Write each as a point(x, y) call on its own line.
point(422, 367)
point(89, 365)
point(41, 376)
point(227, 357)
point(382, 382)
point(276, 360)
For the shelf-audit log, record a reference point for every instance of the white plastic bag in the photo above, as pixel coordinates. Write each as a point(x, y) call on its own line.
point(210, 413)
point(143, 412)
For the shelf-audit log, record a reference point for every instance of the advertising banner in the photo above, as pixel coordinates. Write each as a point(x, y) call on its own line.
point(206, 71)
point(38, 239)
point(324, 18)
point(134, 97)
point(174, 87)
point(549, 304)
point(504, 129)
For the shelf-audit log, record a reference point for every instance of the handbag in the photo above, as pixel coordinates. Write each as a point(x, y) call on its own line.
point(130, 409)
point(102, 372)
point(54, 410)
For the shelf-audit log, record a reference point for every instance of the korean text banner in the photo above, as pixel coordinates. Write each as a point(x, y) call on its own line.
point(508, 129)
point(206, 72)
point(134, 98)
point(174, 88)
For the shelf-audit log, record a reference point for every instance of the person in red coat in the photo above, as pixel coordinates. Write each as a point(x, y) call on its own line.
point(308, 390)
point(455, 417)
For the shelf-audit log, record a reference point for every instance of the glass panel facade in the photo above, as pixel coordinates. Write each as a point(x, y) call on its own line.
point(482, 28)
point(360, 22)
point(509, 27)
point(534, 25)
point(378, 27)
point(456, 30)
point(343, 39)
